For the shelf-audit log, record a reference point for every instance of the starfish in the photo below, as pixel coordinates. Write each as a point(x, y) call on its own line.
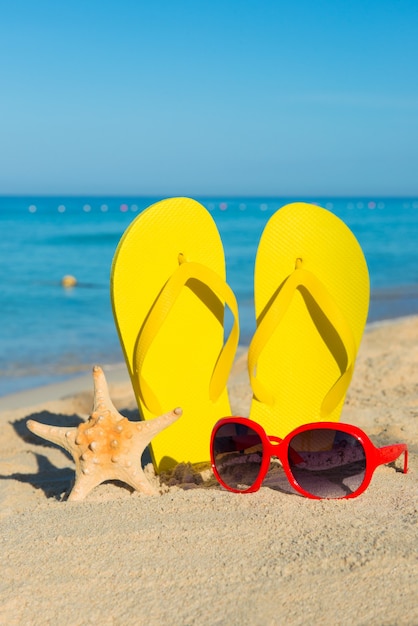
point(107, 446)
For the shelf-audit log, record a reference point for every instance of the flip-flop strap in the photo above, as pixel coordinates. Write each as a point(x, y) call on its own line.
point(303, 278)
point(158, 314)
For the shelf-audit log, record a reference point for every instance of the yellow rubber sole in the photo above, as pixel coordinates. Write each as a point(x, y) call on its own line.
point(298, 363)
point(180, 361)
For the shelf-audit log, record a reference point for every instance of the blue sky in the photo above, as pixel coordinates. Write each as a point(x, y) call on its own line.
point(220, 97)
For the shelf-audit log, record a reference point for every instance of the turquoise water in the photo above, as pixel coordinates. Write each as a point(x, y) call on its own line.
point(48, 333)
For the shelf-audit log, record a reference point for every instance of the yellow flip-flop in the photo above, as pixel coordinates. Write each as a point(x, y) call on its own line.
point(169, 295)
point(311, 292)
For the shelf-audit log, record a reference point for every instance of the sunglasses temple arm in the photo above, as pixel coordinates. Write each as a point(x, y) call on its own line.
point(387, 454)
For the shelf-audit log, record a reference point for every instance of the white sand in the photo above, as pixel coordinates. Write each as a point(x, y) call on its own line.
point(196, 554)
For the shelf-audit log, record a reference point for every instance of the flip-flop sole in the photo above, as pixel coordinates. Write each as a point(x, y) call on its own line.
point(296, 365)
point(180, 361)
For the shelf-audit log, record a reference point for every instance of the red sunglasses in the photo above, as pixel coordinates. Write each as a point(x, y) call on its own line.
point(320, 460)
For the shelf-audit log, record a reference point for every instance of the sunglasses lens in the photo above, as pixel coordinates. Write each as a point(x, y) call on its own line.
point(237, 453)
point(327, 463)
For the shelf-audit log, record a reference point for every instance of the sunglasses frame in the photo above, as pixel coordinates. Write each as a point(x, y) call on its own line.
point(274, 446)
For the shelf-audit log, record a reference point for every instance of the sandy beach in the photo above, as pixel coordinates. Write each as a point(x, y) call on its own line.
point(196, 554)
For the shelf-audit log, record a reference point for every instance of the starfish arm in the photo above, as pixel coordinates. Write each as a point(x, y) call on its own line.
point(60, 435)
point(83, 485)
point(149, 428)
point(136, 478)
point(102, 400)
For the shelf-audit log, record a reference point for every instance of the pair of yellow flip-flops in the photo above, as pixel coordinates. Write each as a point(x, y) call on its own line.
point(169, 294)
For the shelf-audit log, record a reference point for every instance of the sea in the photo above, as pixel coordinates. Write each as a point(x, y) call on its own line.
point(49, 333)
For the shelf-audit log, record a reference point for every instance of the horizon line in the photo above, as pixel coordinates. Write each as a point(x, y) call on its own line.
point(209, 196)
